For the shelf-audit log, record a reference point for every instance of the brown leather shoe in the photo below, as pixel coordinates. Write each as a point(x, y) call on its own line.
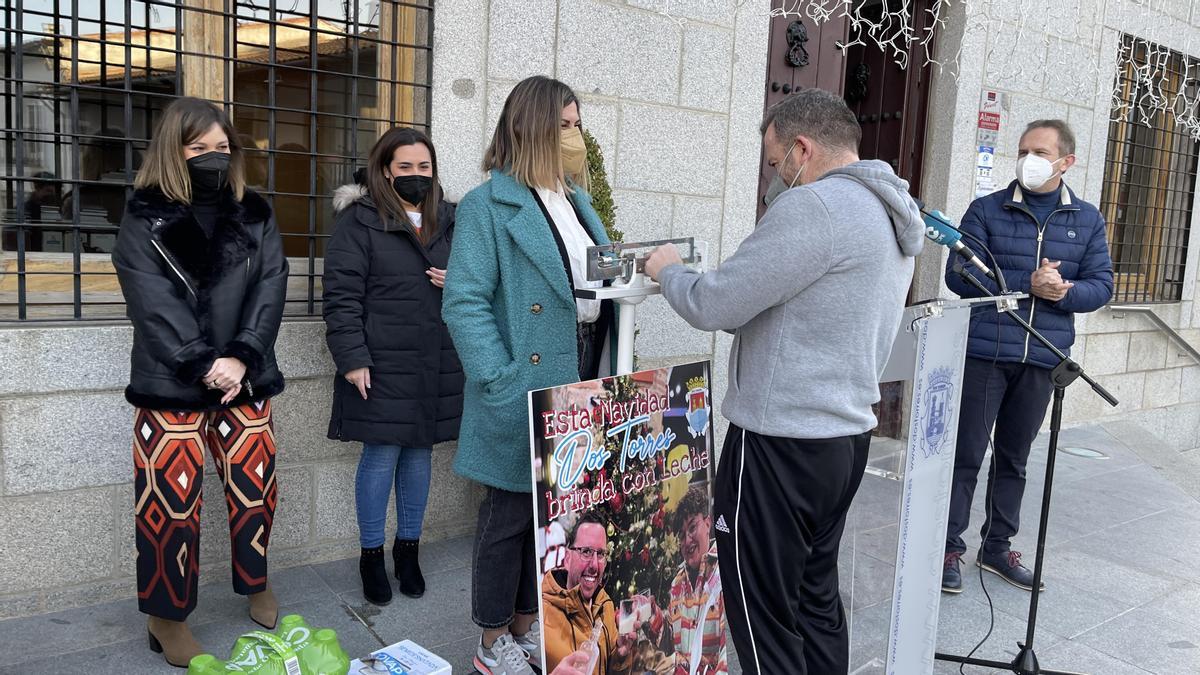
point(173, 639)
point(264, 608)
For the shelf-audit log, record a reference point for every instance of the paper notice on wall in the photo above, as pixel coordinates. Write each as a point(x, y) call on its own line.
point(984, 165)
point(987, 157)
point(987, 134)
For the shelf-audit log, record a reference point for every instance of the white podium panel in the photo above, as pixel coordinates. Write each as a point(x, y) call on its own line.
point(929, 353)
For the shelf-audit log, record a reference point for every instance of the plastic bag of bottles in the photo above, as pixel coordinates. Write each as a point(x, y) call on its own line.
point(294, 649)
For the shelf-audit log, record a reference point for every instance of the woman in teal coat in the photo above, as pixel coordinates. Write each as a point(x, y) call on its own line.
point(518, 255)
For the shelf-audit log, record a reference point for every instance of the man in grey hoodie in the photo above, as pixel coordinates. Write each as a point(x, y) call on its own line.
point(813, 297)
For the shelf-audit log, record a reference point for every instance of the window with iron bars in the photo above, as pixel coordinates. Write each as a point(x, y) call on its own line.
point(310, 85)
point(1150, 172)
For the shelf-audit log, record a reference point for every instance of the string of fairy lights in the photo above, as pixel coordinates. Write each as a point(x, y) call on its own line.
point(1052, 43)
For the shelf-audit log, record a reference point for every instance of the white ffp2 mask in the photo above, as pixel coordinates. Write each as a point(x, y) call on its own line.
point(1033, 172)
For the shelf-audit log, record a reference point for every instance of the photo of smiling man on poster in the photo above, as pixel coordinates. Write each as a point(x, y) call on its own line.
point(575, 602)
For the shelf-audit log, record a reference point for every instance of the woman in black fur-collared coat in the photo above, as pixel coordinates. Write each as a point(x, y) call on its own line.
point(202, 269)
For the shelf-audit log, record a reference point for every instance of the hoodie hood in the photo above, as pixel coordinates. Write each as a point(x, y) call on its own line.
point(346, 196)
point(555, 593)
point(878, 177)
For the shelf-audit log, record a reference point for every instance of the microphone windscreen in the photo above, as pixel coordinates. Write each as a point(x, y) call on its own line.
point(938, 230)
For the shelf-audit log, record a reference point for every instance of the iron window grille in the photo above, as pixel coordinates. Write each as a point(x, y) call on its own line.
point(310, 85)
point(1150, 172)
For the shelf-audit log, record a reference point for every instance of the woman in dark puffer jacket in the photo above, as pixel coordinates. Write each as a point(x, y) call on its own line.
point(398, 388)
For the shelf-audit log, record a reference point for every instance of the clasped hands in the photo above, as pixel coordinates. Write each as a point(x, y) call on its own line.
point(226, 374)
point(1047, 283)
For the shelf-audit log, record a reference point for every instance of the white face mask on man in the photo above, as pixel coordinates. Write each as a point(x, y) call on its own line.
point(1034, 172)
point(778, 185)
point(799, 171)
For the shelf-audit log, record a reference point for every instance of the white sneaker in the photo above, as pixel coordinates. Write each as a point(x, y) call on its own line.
point(531, 642)
point(504, 658)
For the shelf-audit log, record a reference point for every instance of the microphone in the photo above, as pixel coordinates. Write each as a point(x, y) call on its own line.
point(939, 230)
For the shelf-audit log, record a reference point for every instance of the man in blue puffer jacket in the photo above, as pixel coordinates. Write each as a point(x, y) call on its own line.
point(1049, 244)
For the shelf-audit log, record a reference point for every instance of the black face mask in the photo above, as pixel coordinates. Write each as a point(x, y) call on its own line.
point(412, 189)
point(209, 172)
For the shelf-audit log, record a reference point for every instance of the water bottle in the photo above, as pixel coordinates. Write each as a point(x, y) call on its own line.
point(323, 655)
point(591, 647)
point(294, 631)
point(295, 649)
point(206, 664)
point(287, 623)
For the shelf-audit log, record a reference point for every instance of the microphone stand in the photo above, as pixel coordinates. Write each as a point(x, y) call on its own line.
point(1065, 373)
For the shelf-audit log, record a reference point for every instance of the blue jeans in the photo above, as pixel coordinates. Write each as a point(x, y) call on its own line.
point(380, 467)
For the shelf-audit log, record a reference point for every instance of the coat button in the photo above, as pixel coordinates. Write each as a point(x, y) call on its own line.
point(535, 359)
point(536, 309)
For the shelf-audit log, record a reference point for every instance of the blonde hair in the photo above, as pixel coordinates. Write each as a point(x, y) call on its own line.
point(526, 143)
point(183, 122)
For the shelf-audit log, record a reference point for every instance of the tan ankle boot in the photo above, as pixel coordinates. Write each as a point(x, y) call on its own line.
point(173, 639)
point(264, 608)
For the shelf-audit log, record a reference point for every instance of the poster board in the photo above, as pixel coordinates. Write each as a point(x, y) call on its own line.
point(622, 490)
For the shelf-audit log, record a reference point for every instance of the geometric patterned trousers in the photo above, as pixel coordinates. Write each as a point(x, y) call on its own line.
point(168, 458)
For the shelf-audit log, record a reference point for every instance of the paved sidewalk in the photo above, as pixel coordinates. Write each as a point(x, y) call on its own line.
point(1123, 586)
point(1122, 582)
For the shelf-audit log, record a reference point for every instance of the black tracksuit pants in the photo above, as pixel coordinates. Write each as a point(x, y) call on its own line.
point(780, 507)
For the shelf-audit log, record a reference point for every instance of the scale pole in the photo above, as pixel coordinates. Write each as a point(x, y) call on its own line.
point(627, 324)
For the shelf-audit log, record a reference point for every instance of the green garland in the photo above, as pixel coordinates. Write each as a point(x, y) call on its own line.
point(602, 199)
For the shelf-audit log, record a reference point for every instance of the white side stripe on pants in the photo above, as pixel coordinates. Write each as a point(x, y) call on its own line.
point(737, 557)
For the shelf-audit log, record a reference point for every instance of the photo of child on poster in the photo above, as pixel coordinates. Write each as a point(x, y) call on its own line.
point(623, 469)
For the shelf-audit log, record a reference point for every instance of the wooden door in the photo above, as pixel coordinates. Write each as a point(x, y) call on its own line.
point(800, 54)
point(891, 103)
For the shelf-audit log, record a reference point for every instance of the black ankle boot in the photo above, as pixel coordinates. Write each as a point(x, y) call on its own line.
point(377, 589)
point(408, 567)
